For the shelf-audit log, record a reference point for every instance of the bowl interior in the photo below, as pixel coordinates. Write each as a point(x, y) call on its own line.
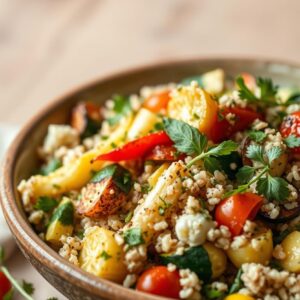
point(22, 160)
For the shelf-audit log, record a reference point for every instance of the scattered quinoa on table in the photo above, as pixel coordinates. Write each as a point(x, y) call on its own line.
point(186, 190)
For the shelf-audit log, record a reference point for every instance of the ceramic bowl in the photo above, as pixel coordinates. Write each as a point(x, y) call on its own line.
point(21, 160)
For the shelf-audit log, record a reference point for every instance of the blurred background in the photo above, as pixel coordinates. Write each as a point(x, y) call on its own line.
point(49, 46)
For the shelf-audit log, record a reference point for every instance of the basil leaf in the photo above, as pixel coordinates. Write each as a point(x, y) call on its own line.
point(195, 258)
point(121, 176)
point(187, 138)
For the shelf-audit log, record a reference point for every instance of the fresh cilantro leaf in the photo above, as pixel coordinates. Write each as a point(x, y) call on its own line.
point(212, 293)
point(244, 92)
point(292, 141)
point(212, 164)
point(187, 138)
point(273, 188)
point(256, 153)
point(121, 108)
point(224, 148)
point(267, 89)
point(245, 174)
point(273, 153)
point(45, 203)
point(257, 136)
point(28, 287)
point(237, 283)
point(133, 237)
point(105, 255)
point(51, 166)
point(64, 213)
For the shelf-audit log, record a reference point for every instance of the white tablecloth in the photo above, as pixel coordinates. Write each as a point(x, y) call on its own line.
point(15, 262)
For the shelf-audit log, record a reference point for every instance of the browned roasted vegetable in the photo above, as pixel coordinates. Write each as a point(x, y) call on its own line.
point(101, 198)
point(86, 118)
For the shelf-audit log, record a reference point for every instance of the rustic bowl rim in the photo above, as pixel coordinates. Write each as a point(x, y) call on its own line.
point(23, 232)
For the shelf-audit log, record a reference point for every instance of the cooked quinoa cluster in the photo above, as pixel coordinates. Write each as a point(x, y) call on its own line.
point(185, 190)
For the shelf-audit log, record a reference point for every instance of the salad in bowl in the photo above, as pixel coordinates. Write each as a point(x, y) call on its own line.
point(184, 190)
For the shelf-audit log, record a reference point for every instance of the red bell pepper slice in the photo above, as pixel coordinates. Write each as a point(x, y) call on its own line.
point(136, 149)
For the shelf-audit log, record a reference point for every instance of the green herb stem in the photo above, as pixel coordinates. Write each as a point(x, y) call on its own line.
point(197, 158)
point(15, 283)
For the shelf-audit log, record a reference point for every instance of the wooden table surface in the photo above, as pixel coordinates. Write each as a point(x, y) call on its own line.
point(49, 46)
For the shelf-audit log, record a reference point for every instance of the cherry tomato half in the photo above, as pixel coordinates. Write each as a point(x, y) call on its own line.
point(291, 126)
point(5, 285)
point(164, 153)
point(157, 102)
point(235, 210)
point(160, 281)
point(223, 129)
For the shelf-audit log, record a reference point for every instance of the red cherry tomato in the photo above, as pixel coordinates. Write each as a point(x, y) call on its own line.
point(5, 285)
point(164, 153)
point(235, 210)
point(223, 129)
point(160, 281)
point(157, 102)
point(291, 126)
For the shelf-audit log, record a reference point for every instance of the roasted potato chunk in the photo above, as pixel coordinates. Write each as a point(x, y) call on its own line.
point(86, 118)
point(101, 198)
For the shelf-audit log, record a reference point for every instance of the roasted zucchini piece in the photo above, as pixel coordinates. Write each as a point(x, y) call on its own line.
point(61, 222)
point(102, 256)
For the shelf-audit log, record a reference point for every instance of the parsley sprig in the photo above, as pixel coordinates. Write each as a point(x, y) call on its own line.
point(273, 188)
point(189, 140)
point(267, 91)
point(292, 141)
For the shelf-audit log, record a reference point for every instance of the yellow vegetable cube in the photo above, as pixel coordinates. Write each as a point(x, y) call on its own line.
point(291, 248)
point(102, 256)
point(154, 177)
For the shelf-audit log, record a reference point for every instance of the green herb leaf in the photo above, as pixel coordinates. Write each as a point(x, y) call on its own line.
point(121, 108)
point(121, 176)
point(293, 99)
point(195, 258)
point(273, 188)
point(212, 164)
point(224, 148)
point(211, 293)
point(45, 203)
point(28, 287)
point(187, 138)
point(237, 283)
point(105, 255)
point(244, 92)
point(64, 213)
point(245, 174)
point(257, 136)
point(267, 89)
point(273, 153)
point(134, 237)
point(256, 153)
point(51, 166)
point(292, 141)
point(278, 238)
point(128, 217)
